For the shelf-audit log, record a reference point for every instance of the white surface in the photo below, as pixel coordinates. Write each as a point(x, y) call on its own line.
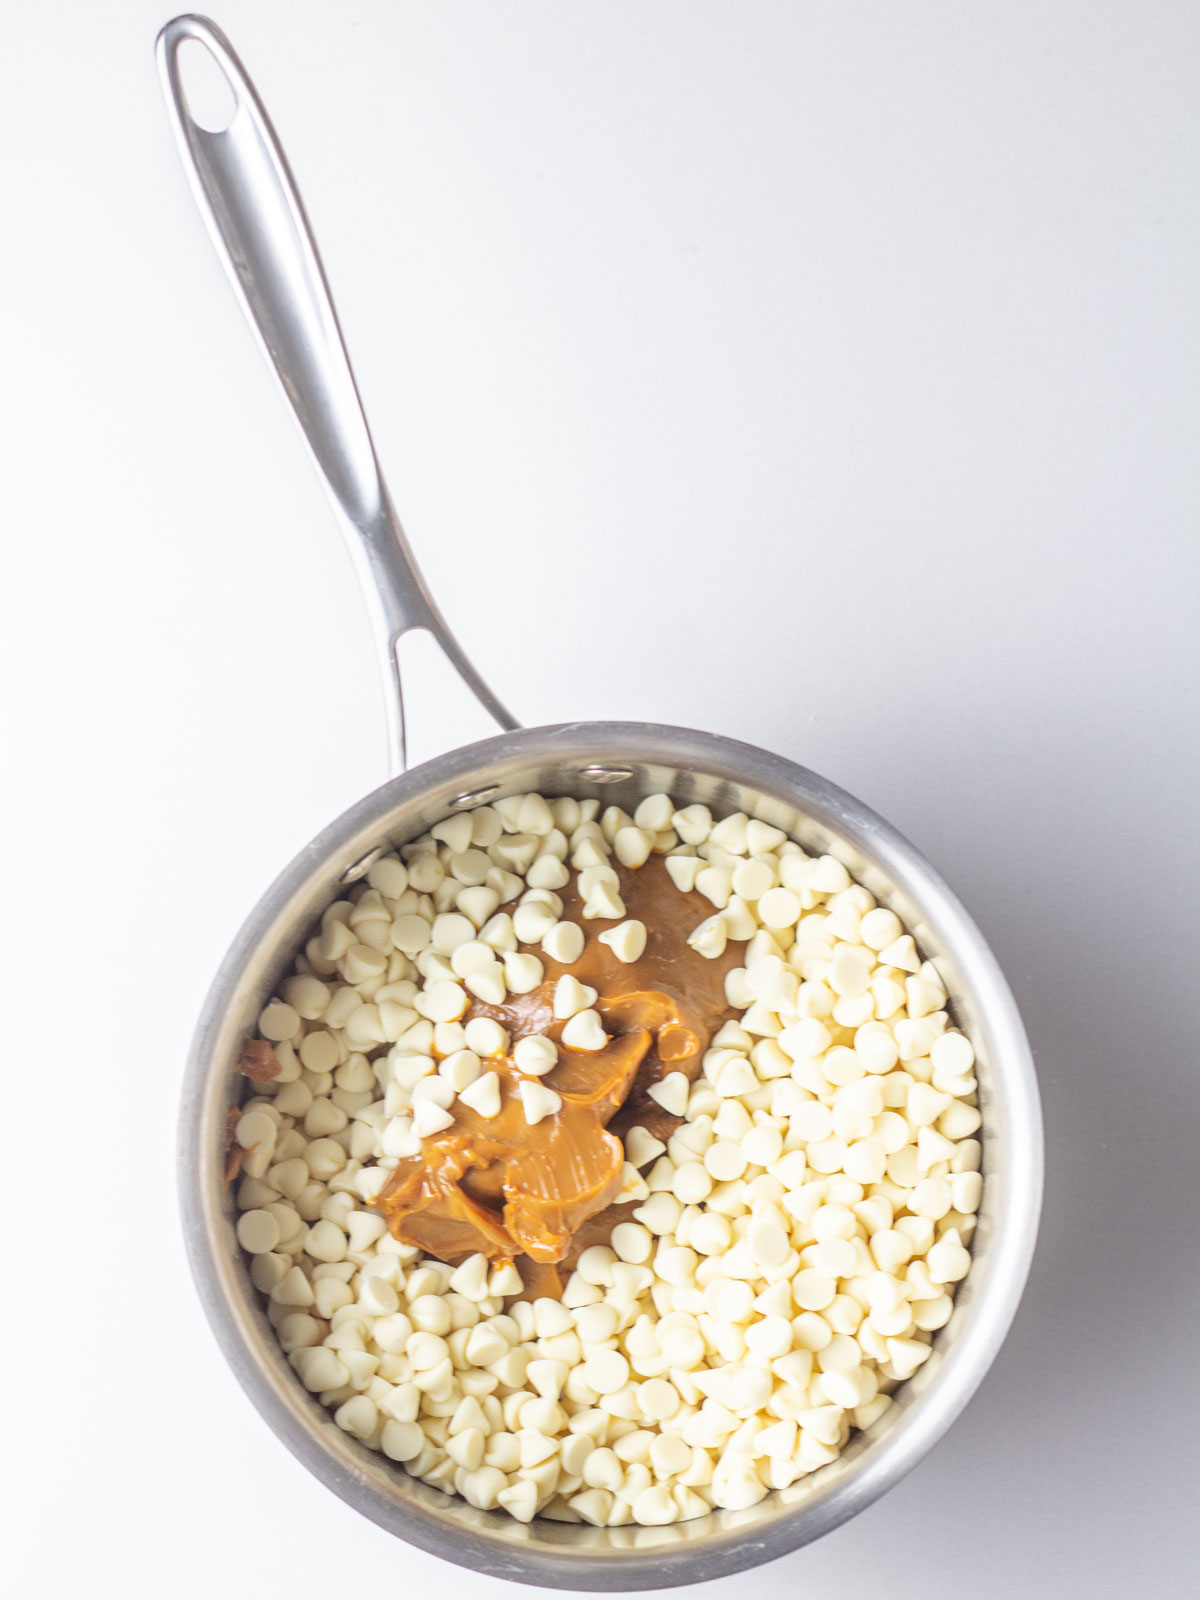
point(819, 373)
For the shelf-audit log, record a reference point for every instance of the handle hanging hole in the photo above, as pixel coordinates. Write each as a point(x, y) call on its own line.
point(207, 93)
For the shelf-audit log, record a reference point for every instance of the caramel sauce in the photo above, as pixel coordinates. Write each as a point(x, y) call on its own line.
point(542, 1194)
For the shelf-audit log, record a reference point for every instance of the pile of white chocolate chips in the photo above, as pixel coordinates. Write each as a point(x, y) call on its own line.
point(792, 1248)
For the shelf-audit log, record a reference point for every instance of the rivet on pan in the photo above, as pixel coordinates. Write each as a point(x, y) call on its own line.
point(473, 797)
point(359, 869)
point(605, 774)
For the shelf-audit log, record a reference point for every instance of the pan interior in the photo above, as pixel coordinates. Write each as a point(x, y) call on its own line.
point(619, 763)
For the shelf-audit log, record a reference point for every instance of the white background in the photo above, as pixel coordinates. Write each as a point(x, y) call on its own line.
point(819, 373)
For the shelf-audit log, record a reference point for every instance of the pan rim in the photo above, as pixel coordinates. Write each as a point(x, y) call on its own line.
point(745, 1539)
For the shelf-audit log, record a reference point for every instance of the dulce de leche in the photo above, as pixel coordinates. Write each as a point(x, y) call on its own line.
point(499, 1186)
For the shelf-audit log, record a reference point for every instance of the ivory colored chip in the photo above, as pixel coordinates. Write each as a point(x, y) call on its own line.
point(632, 846)
point(256, 1130)
point(769, 1243)
point(429, 1118)
point(478, 902)
point(258, 1231)
point(603, 903)
point(472, 956)
point(498, 932)
point(812, 1290)
point(671, 1093)
point(535, 1054)
point(947, 1260)
point(753, 878)
point(449, 931)
point(606, 1371)
point(436, 1088)
point(443, 1002)
point(683, 871)
point(641, 1147)
point(633, 1186)
point(564, 942)
point(460, 1069)
point(548, 872)
point(716, 885)
point(522, 973)
point(654, 813)
point(483, 1095)
point(627, 940)
point(538, 1102)
point(693, 824)
point(692, 1184)
point(953, 1054)
point(725, 1160)
point(901, 953)
point(584, 1031)
point(279, 1021)
point(710, 937)
point(571, 996)
point(779, 908)
point(532, 921)
point(850, 975)
point(486, 1037)
point(411, 934)
point(880, 928)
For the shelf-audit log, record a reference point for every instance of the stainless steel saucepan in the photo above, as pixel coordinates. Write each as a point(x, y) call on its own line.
point(245, 191)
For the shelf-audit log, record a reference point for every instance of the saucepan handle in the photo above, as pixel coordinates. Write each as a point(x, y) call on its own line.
point(246, 193)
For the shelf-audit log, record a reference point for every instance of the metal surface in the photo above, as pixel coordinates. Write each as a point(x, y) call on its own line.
point(256, 220)
point(276, 272)
point(728, 776)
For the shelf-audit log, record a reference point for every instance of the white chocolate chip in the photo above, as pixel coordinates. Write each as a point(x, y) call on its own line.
point(486, 1037)
point(654, 813)
point(441, 1002)
point(498, 932)
point(489, 985)
point(435, 1088)
point(671, 1093)
point(429, 1118)
point(603, 902)
point(584, 1031)
point(460, 1069)
point(901, 953)
point(641, 1146)
point(952, 1053)
point(472, 956)
point(563, 942)
point(716, 885)
point(606, 1371)
point(522, 973)
point(535, 1054)
point(632, 846)
point(684, 870)
point(710, 938)
point(693, 824)
point(779, 908)
point(483, 1095)
point(731, 833)
point(537, 1101)
point(571, 996)
point(532, 921)
point(258, 1232)
point(627, 940)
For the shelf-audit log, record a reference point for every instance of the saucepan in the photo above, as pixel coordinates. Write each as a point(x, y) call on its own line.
point(246, 193)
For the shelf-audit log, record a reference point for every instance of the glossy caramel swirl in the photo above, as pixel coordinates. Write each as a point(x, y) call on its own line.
point(540, 1194)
